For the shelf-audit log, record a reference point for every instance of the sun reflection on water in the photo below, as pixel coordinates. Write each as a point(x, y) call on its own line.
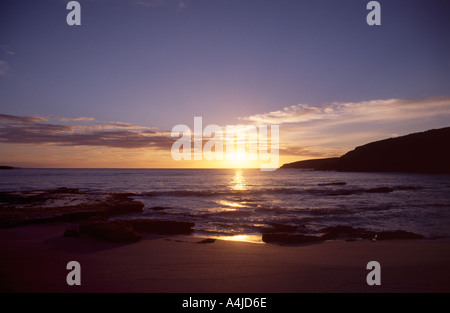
point(230, 204)
point(242, 238)
point(238, 182)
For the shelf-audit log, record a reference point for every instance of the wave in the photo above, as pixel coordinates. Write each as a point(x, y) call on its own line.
point(327, 190)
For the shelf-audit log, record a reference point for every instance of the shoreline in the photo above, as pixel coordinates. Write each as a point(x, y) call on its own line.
point(34, 259)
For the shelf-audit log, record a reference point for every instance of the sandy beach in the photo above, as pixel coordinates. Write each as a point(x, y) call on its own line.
point(33, 259)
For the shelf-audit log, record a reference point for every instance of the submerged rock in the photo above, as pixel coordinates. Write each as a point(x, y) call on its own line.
point(380, 190)
point(289, 238)
point(114, 231)
point(121, 203)
point(207, 240)
point(62, 204)
point(397, 234)
point(72, 231)
point(340, 183)
point(334, 232)
point(161, 227)
point(280, 228)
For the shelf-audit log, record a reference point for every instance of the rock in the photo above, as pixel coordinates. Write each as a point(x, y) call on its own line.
point(114, 231)
point(27, 207)
point(279, 228)
point(161, 227)
point(72, 231)
point(208, 240)
point(333, 184)
point(380, 190)
point(334, 232)
point(64, 190)
point(121, 203)
point(158, 208)
point(397, 234)
point(289, 238)
point(345, 192)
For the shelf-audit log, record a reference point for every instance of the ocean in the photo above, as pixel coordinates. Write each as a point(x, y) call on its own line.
point(229, 203)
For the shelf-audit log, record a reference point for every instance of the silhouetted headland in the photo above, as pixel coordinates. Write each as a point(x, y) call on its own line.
point(425, 152)
point(4, 167)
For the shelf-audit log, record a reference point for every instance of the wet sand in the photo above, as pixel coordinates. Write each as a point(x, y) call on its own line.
point(33, 259)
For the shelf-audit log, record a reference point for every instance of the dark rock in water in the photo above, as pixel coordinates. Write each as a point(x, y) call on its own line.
point(289, 238)
point(334, 232)
point(208, 240)
point(121, 203)
point(158, 208)
point(340, 229)
point(161, 227)
point(64, 190)
point(114, 231)
point(345, 192)
point(279, 228)
point(407, 187)
point(397, 234)
point(4, 167)
point(20, 208)
point(380, 190)
point(72, 231)
point(333, 184)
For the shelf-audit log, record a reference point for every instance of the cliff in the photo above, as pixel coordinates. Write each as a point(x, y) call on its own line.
point(425, 152)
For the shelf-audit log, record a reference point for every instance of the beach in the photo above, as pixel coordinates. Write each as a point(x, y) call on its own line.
point(34, 258)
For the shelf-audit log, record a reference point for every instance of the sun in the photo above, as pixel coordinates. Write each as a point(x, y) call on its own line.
point(240, 159)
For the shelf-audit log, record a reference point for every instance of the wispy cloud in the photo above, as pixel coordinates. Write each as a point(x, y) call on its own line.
point(3, 67)
point(37, 130)
point(178, 4)
point(77, 119)
point(150, 3)
point(310, 151)
point(330, 130)
point(364, 111)
point(182, 4)
point(7, 50)
point(22, 119)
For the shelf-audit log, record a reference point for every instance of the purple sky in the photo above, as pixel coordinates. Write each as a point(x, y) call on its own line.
point(158, 63)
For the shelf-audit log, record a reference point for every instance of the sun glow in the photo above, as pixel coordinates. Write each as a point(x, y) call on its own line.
point(240, 160)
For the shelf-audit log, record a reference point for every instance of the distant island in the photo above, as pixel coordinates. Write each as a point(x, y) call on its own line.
point(4, 167)
point(425, 152)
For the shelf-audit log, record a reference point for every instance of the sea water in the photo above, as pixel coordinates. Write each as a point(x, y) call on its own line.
point(228, 202)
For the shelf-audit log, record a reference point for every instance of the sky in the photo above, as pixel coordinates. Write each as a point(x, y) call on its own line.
point(108, 92)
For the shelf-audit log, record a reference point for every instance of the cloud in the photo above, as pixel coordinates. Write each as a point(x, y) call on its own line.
point(330, 130)
point(3, 67)
point(7, 50)
point(182, 5)
point(178, 4)
point(77, 119)
point(310, 151)
point(349, 112)
point(22, 119)
point(150, 3)
point(33, 130)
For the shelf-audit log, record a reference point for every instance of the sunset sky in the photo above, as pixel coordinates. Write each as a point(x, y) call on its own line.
point(108, 93)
